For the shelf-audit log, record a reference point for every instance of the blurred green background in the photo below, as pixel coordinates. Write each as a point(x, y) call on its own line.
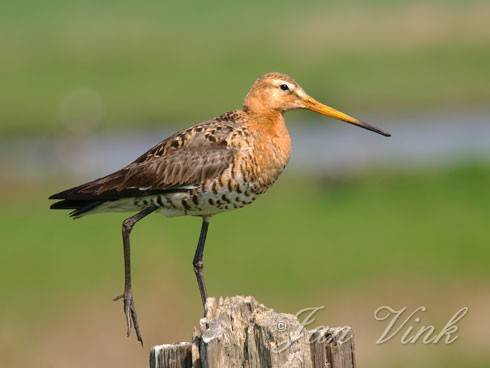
point(355, 223)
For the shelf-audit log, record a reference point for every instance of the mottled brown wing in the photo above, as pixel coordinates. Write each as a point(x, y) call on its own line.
point(185, 167)
point(182, 161)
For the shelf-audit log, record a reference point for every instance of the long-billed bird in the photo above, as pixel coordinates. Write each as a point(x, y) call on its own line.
point(212, 167)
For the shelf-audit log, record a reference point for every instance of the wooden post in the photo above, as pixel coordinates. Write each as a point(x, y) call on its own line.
point(239, 332)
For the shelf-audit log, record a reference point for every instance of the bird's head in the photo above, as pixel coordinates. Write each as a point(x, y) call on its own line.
point(279, 92)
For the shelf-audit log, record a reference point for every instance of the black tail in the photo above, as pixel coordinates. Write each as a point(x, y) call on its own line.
point(88, 196)
point(79, 206)
point(83, 198)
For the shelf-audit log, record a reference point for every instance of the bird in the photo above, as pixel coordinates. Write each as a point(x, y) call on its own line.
point(212, 167)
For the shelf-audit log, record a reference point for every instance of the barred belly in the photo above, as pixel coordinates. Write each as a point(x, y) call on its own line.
point(206, 200)
point(229, 191)
point(201, 203)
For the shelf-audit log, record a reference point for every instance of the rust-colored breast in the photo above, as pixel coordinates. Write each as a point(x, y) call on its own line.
point(262, 148)
point(270, 151)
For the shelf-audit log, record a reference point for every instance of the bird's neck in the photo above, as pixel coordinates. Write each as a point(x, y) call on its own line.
point(272, 141)
point(270, 123)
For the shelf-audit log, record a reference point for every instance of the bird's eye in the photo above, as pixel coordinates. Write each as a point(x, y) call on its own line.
point(284, 87)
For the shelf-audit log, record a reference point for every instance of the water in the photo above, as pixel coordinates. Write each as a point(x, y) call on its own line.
point(325, 146)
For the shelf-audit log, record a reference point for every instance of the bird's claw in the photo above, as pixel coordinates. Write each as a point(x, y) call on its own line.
point(130, 313)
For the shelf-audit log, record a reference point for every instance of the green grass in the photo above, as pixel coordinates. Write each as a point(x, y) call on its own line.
point(151, 63)
point(427, 226)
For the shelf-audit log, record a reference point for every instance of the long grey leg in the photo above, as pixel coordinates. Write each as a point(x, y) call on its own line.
point(198, 263)
point(129, 307)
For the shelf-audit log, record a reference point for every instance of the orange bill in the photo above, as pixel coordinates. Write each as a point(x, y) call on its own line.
point(314, 105)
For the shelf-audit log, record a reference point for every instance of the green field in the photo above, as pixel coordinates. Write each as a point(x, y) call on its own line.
point(428, 225)
point(79, 66)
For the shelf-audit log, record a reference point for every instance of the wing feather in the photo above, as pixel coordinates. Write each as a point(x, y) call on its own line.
point(183, 161)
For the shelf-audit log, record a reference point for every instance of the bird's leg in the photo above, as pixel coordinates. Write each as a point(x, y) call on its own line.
point(129, 308)
point(198, 263)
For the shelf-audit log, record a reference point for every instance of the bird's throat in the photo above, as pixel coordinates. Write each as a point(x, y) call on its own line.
point(272, 142)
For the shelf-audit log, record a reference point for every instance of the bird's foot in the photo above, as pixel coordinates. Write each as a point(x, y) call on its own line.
point(130, 313)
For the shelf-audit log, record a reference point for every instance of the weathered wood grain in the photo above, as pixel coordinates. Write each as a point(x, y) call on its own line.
point(171, 356)
point(240, 332)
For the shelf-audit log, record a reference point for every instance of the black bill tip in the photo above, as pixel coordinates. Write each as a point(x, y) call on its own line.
point(372, 128)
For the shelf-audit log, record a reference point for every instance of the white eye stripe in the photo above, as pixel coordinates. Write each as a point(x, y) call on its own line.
point(300, 93)
point(278, 82)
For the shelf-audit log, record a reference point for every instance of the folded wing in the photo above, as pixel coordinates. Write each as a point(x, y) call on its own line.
point(180, 162)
